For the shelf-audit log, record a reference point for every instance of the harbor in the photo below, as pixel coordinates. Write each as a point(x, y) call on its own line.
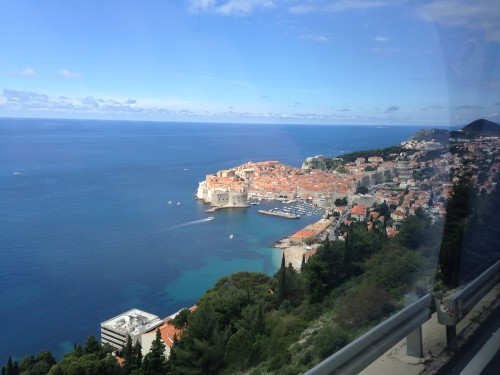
point(293, 211)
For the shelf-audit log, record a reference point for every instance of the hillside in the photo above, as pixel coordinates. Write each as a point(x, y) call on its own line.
point(482, 126)
point(478, 128)
point(439, 135)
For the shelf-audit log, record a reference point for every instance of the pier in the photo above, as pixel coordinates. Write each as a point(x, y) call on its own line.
point(213, 209)
point(279, 214)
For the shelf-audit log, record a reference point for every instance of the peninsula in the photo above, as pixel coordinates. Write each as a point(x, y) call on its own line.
point(272, 180)
point(379, 187)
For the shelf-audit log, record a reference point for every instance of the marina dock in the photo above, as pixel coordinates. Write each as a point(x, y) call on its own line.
point(280, 214)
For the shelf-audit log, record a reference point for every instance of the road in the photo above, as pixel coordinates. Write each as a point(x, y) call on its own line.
point(338, 221)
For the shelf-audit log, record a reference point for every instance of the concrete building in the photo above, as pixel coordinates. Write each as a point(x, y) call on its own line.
point(132, 323)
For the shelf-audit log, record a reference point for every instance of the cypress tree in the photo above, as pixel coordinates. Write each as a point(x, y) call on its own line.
point(155, 361)
point(128, 356)
point(383, 232)
point(451, 245)
point(172, 358)
point(282, 280)
point(128, 348)
point(3, 371)
point(10, 367)
point(138, 354)
point(259, 322)
point(302, 265)
point(348, 245)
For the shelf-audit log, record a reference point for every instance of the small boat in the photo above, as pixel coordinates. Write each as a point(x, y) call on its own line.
point(210, 218)
point(169, 202)
point(231, 236)
point(178, 203)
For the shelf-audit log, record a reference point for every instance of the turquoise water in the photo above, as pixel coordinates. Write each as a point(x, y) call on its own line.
point(86, 232)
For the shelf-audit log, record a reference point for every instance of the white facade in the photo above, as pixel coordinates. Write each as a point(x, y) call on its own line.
point(132, 323)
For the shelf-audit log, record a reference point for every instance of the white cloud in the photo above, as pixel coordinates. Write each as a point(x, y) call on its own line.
point(314, 37)
point(345, 5)
point(67, 74)
point(201, 5)
point(27, 72)
point(391, 51)
point(327, 6)
point(481, 15)
point(468, 107)
point(228, 7)
point(22, 103)
point(303, 9)
point(18, 96)
point(381, 39)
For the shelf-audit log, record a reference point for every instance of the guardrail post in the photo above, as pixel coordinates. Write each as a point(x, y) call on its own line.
point(414, 345)
point(451, 337)
point(451, 309)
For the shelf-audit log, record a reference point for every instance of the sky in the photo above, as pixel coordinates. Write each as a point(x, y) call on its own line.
point(383, 62)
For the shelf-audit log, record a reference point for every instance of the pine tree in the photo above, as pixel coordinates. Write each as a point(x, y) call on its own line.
point(92, 346)
point(78, 351)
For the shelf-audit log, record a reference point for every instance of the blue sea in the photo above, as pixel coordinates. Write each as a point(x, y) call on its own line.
point(86, 231)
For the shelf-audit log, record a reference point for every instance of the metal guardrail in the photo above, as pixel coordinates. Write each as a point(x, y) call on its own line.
point(357, 355)
point(452, 309)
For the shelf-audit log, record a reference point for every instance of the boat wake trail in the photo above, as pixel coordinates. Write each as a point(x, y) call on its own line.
point(194, 222)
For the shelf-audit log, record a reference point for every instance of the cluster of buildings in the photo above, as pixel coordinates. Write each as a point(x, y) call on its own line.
point(273, 180)
point(422, 178)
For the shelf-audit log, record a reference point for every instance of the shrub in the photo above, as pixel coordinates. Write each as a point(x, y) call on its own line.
point(363, 307)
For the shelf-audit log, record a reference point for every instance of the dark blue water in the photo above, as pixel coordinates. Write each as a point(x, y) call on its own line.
point(86, 232)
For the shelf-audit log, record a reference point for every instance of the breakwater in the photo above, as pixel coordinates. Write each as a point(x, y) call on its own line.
point(280, 214)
